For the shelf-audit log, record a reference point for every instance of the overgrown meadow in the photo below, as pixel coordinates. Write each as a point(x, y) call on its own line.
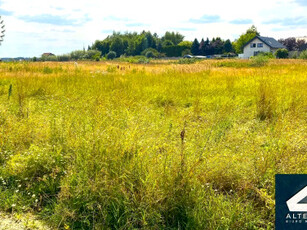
point(112, 145)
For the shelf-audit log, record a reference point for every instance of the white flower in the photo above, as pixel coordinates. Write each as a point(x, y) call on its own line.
point(13, 205)
point(33, 195)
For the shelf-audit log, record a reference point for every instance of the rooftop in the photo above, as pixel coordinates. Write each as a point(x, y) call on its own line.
point(271, 42)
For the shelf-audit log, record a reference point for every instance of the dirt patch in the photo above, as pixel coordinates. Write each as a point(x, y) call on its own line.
point(21, 222)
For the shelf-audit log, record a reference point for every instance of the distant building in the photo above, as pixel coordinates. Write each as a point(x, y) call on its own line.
point(260, 44)
point(47, 54)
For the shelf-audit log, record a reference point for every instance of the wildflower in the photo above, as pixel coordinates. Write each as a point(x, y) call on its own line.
point(13, 205)
point(33, 195)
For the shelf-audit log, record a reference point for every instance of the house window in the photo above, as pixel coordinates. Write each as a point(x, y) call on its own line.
point(253, 45)
point(260, 45)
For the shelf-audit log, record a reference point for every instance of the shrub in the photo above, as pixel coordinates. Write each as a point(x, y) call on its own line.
point(174, 51)
point(49, 58)
point(186, 52)
point(294, 54)
point(303, 55)
point(281, 53)
point(187, 61)
point(154, 52)
point(143, 60)
point(266, 54)
point(77, 55)
point(65, 57)
point(92, 54)
point(111, 55)
point(259, 60)
point(149, 54)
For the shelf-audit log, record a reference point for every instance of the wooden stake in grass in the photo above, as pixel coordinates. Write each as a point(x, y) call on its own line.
point(10, 91)
point(182, 136)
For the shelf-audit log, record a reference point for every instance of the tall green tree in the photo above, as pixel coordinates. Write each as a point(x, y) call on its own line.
point(102, 46)
point(175, 38)
point(202, 47)
point(117, 46)
point(227, 46)
point(195, 47)
point(217, 45)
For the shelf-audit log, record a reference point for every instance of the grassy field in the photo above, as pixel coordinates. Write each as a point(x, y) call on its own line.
point(111, 145)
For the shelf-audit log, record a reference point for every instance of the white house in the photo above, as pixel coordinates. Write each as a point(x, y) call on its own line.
point(260, 44)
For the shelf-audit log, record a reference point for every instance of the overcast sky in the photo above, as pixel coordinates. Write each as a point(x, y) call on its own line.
point(58, 26)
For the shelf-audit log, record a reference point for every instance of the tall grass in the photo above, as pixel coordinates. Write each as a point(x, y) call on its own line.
point(155, 146)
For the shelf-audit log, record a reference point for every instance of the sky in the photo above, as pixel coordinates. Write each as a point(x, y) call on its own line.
point(34, 27)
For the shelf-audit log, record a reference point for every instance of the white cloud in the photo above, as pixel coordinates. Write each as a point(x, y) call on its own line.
point(78, 23)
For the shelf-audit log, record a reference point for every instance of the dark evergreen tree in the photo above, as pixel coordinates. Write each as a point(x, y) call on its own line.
point(159, 46)
point(207, 47)
point(227, 46)
point(217, 45)
point(195, 47)
point(202, 47)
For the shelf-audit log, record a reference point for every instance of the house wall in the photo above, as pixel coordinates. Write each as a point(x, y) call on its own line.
point(249, 51)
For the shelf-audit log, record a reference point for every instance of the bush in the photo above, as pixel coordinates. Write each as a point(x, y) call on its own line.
point(49, 58)
point(92, 54)
point(77, 55)
point(281, 53)
point(294, 54)
point(259, 60)
point(266, 54)
point(143, 60)
point(154, 52)
point(303, 55)
point(64, 57)
point(187, 61)
point(174, 51)
point(186, 52)
point(111, 55)
point(149, 54)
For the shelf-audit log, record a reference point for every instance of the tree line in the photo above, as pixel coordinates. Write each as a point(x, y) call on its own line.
point(171, 44)
point(294, 44)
